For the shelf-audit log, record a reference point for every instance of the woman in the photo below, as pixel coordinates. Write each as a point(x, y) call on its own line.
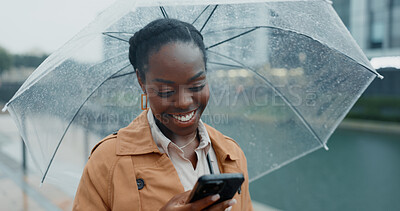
point(154, 162)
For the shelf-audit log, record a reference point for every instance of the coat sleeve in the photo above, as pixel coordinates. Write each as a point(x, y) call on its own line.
point(236, 153)
point(88, 195)
point(246, 200)
point(93, 190)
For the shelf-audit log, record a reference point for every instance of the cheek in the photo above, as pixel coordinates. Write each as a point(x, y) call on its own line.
point(205, 95)
point(156, 104)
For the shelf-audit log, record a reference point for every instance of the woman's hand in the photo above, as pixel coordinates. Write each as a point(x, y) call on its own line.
point(178, 202)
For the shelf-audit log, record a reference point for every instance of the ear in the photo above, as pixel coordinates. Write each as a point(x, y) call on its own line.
point(140, 81)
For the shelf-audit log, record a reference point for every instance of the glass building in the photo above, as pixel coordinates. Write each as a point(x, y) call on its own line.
point(374, 24)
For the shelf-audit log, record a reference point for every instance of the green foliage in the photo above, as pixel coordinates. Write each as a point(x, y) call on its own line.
point(376, 108)
point(6, 60)
point(28, 60)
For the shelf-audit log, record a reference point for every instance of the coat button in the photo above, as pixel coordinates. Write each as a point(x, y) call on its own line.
point(140, 184)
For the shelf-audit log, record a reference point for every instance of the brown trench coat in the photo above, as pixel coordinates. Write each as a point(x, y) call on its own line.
point(111, 178)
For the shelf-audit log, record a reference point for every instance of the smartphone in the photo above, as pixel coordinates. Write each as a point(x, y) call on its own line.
point(226, 185)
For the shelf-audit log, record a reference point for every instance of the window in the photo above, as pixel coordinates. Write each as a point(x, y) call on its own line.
point(394, 24)
point(378, 19)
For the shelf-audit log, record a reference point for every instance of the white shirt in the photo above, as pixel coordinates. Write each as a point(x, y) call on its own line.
point(187, 174)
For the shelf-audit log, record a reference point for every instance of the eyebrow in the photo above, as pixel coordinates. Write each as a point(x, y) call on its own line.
point(172, 82)
point(196, 76)
point(163, 81)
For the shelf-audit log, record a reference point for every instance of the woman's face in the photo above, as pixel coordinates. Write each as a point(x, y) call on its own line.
point(176, 87)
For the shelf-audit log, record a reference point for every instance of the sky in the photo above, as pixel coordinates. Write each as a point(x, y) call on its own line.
point(44, 25)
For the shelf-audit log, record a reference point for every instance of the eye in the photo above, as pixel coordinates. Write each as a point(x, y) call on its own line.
point(165, 94)
point(197, 88)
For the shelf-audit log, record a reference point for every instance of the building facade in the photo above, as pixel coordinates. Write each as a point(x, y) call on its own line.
point(374, 24)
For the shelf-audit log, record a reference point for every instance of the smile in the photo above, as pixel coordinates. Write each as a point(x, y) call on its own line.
point(184, 117)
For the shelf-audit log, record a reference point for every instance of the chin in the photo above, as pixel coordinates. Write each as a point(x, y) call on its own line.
point(185, 124)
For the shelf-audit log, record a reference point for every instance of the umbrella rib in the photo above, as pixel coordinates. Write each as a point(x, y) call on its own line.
point(293, 31)
point(322, 43)
point(209, 17)
point(69, 124)
point(164, 12)
point(200, 14)
point(117, 76)
point(223, 64)
point(257, 27)
point(308, 126)
point(112, 36)
point(232, 38)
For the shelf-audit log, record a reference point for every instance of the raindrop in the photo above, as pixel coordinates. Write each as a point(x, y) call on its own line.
point(273, 13)
point(275, 165)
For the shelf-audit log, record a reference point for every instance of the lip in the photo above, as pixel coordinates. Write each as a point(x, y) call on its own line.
point(183, 114)
point(188, 123)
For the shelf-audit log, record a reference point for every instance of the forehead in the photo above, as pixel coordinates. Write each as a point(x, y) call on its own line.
point(176, 62)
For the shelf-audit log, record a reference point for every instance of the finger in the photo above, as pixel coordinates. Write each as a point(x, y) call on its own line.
point(205, 202)
point(182, 197)
point(185, 194)
point(225, 205)
point(177, 202)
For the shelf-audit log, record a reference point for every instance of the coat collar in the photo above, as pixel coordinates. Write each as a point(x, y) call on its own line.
point(136, 139)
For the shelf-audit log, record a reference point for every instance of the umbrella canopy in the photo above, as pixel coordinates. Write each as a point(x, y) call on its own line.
point(282, 76)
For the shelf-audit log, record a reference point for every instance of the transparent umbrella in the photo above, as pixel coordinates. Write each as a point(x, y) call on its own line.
point(282, 76)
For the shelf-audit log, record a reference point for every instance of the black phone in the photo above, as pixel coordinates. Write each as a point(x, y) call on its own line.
point(226, 185)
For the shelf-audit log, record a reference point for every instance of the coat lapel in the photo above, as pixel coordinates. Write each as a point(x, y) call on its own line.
point(225, 150)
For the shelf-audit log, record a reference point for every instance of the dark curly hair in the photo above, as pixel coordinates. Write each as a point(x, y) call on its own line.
point(157, 33)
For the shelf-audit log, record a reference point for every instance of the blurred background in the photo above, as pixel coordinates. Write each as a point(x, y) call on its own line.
point(361, 170)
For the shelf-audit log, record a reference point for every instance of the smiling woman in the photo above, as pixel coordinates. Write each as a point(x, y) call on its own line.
point(177, 89)
point(168, 144)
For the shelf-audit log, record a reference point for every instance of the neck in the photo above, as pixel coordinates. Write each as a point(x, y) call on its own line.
point(179, 140)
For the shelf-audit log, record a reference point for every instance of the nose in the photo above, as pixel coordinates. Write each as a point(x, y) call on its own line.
point(184, 99)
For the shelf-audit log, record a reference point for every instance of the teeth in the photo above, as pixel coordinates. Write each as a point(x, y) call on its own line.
point(184, 118)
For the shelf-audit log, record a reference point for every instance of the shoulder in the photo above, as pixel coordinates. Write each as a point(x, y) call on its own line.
point(103, 156)
point(105, 146)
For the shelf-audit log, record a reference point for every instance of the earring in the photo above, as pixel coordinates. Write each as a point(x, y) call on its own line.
point(145, 102)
